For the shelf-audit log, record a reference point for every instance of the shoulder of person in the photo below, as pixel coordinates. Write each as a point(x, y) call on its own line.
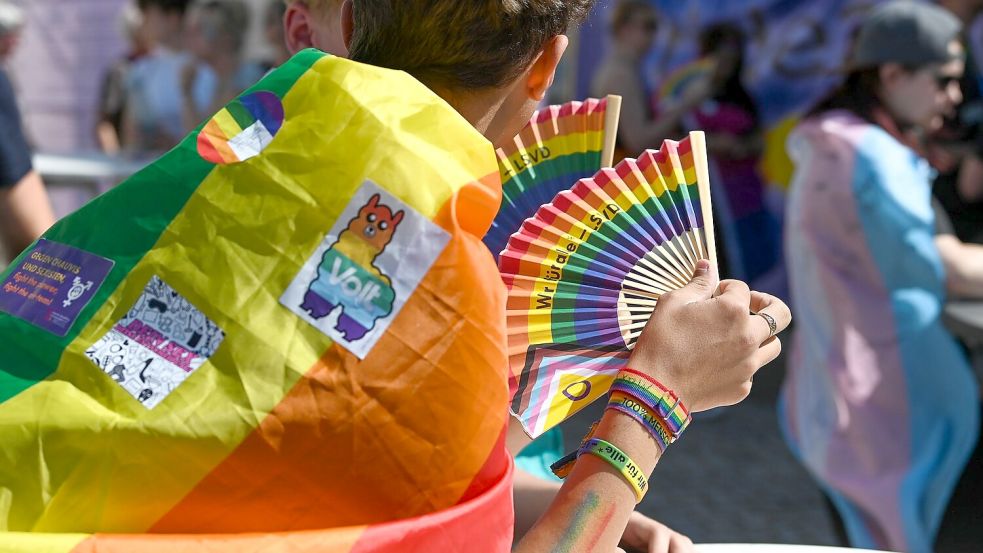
point(830, 131)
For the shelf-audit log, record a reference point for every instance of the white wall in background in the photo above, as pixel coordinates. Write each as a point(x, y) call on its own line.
point(58, 69)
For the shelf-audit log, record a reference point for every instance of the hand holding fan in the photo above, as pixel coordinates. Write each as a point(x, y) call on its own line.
point(559, 146)
point(586, 272)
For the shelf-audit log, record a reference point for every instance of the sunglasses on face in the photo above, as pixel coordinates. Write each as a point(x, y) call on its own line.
point(943, 81)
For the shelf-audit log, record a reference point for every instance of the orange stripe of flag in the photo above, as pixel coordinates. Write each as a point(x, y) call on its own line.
point(219, 142)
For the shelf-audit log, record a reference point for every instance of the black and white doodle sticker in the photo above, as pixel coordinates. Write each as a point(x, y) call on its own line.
point(157, 345)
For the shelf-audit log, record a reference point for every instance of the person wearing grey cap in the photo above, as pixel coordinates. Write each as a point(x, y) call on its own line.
point(25, 211)
point(879, 401)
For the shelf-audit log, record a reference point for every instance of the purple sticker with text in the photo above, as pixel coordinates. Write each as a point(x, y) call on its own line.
point(52, 284)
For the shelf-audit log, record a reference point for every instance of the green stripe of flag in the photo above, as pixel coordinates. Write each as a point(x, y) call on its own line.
point(241, 115)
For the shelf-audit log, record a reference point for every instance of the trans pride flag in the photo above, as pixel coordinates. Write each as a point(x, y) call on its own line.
point(880, 403)
point(264, 340)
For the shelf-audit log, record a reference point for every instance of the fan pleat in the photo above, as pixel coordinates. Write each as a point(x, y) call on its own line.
point(560, 145)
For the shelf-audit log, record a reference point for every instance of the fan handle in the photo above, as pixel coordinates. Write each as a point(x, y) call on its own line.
point(698, 142)
point(612, 114)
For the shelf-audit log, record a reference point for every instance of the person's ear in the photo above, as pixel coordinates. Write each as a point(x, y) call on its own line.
point(543, 69)
point(298, 27)
point(347, 23)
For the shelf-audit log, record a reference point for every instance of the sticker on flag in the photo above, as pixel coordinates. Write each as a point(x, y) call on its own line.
point(157, 345)
point(242, 130)
point(365, 269)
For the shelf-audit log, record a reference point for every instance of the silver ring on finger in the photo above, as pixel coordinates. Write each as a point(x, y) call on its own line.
point(772, 325)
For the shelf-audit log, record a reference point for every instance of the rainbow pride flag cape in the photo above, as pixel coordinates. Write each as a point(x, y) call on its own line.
point(286, 334)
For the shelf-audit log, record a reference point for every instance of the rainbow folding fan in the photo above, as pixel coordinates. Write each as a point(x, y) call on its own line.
point(587, 270)
point(559, 146)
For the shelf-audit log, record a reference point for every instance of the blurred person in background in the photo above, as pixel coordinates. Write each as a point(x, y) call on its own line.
point(109, 127)
point(274, 34)
point(216, 33)
point(633, 26)
point(153, 107)
point(879, 401)
point(957, 154)
point(749, 241)
point(25, 211)
point(957, 148)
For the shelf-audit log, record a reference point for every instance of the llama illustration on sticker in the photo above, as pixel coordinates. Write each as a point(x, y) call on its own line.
point(348, 277)
point(365, 269)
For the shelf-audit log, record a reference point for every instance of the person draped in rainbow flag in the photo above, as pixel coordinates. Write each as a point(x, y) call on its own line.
point(288, 334)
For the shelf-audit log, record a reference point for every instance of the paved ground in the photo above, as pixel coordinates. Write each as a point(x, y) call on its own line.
point(719, 483)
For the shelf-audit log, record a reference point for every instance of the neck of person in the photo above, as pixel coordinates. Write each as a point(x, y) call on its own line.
point(490, 111)
point(173, 42)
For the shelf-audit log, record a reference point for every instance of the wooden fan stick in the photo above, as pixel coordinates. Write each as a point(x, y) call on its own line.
point(667, 277)
point(641, 295)
point(632, 281)
point(612, 114)
point(678, 271)
point(656, 279)
point(635, 324)
point(661, 270)
point(697, 250)
point(670, 266)
point(636, 306)
point(699, 144)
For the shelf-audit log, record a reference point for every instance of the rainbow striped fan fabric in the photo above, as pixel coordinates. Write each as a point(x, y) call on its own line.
point(253, 351)
point(560, 145)
point(586, 272)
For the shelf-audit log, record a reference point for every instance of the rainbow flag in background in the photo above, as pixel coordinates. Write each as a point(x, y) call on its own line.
point(263, 341)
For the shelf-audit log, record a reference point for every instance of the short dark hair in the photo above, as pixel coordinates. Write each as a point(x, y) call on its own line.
point(857, 94)
point(468, 45)
point(172, 6)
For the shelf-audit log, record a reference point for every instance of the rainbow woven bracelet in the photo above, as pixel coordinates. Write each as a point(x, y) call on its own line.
point(643, 415)
point(674, 417)
point(664, 401)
